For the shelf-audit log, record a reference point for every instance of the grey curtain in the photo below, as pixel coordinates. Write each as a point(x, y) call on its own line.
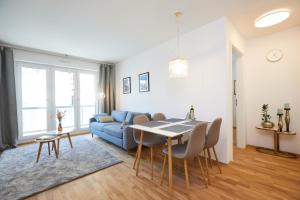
point(8, 104)
point(106, 86)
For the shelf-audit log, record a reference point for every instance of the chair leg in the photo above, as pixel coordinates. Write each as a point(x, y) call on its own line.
point(39, 152)
point(136, 155)
point(163, 170)
point(151, 157)
point(202, 171)
point(92, 134)
point(186, 174)
point(206, 165)
point(139, 153)
point(49, 148)
point(179, 140)
point(209, 156)
point(217, 160)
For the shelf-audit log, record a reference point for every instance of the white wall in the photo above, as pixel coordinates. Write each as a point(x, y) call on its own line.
point(206, 86)
point(273, 83)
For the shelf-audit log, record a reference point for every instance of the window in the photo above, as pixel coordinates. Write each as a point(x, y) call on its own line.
point(87, 98)
point(34, 100)
point(64, 96)
point(43, 90)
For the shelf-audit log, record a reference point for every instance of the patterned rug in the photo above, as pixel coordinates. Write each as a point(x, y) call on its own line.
point(21, 176)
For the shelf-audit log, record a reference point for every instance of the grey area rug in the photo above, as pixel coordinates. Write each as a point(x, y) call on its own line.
point(21, 176)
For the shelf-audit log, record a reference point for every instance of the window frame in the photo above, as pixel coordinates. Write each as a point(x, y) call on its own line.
point(50, 85)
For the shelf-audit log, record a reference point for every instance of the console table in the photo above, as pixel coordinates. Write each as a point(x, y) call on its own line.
point(276, 135)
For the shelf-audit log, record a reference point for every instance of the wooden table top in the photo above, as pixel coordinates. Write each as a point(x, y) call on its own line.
point(275, 129)
point(47, 138)
point(53, 135)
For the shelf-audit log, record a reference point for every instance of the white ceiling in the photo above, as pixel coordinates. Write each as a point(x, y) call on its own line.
point(112, 30)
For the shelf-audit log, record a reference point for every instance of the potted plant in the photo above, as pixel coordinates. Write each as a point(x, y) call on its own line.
point(266, 123)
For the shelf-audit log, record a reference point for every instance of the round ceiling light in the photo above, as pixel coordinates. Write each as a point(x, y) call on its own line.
point(271, 18)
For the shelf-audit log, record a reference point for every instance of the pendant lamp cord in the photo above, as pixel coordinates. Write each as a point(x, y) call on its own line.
point(178, 32)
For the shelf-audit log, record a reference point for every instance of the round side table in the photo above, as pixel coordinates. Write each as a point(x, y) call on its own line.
point(46, 139)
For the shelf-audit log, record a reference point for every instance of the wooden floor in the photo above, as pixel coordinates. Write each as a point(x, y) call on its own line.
point(251, 175)
point(234, 136)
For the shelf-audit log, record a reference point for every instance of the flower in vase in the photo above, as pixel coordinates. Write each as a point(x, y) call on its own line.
point(60, 115)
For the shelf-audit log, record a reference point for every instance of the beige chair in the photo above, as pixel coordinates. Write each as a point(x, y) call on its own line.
point(161, 117)
point(189, 150)
point(149, 140)
point(212, 139)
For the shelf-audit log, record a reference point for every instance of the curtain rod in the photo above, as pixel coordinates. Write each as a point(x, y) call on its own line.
point(51, 53)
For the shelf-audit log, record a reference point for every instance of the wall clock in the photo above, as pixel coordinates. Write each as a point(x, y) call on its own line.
point(274, 55)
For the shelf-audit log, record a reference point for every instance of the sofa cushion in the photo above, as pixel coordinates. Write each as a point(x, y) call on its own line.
point(106, 119)
point(99, 126)
point(131, 115)
point(119, 116)
point(114, 130)
point(97, 116)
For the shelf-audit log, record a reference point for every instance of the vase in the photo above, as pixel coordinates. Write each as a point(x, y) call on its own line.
point(59, 128)
point(280, 123)
point(287, 120)
point(267, 124)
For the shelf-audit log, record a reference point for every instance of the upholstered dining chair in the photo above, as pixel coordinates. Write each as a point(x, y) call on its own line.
point(212, 139)
point(149, 140)
point(161, 117)
point(189, 150)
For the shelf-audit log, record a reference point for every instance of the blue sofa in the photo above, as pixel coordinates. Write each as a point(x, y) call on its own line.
point(114, 132)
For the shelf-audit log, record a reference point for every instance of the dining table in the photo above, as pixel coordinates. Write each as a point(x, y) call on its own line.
point(169, 128)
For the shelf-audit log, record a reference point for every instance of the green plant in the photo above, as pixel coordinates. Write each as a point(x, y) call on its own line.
point(265, 116)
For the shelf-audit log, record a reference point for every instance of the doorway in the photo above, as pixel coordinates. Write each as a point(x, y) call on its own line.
point(238, 106)
point(234, 97)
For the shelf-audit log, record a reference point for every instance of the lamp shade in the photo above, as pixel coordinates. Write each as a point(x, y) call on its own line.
point(178, 68)
point(100, 95)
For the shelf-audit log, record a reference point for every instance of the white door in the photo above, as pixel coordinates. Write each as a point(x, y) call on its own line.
point(34, 110)
point(87, 98)
point(65, 97)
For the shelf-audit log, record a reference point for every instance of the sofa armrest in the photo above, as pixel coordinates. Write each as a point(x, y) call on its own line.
point(128, 140)
point(93, 119)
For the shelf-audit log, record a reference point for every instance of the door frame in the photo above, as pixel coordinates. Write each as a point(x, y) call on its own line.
point(240, 95)
point(18, 82)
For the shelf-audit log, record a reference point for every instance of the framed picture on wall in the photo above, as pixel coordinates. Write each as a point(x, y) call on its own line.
point(144, 85)
point(127, 85)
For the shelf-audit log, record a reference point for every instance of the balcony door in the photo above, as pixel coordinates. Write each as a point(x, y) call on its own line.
point(34, 97)
point(43, 90)
point(87, 98)
point(65, 97)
